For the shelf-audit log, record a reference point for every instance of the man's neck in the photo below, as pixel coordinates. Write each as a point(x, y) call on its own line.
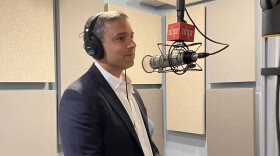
point(114, 71)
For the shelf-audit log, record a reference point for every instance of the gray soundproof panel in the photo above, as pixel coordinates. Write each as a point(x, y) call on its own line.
point(235, 23)
point(152, 99)
point(185, 94)
point(230, 122)
point(28, 123)
point(27, 41)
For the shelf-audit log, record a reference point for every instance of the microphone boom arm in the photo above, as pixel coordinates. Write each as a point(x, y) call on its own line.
point(180, 10)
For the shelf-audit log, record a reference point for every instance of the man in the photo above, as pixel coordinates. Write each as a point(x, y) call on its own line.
point(101, 114)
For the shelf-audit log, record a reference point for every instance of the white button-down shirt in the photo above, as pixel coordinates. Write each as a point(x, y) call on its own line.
point(130, 105)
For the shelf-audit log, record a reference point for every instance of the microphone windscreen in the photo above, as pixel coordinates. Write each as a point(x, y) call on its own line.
point(146, 64)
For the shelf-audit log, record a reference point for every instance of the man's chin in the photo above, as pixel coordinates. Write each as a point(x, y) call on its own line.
point(130, 65)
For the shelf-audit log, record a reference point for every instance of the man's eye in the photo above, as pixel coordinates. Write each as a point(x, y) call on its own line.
point(121, 38)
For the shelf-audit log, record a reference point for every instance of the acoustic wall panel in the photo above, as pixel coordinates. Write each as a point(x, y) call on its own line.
point(185, 93)
point(27, 41)
point(28, 123)
point(231, 122)
point(147, 34)
point(235, 23)
point(153, 101)
point(74, 61)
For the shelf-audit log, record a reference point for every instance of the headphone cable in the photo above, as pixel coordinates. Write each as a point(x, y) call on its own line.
point(126, 86)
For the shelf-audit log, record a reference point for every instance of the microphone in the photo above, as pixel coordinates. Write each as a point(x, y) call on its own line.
point(179, 58)
point(173, 60)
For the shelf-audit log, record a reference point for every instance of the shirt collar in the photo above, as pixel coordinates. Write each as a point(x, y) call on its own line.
point(114, 82)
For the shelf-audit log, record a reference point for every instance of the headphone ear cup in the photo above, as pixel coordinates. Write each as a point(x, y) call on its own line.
point(97, 47)
point(269, 4)
point(92, 44)
point(264, 5)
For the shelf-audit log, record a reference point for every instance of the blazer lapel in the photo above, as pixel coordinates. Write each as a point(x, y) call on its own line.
point(114, 101)
point(111, 97)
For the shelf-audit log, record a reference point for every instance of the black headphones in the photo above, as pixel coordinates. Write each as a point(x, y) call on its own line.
point(92, 44)
point(268, 4)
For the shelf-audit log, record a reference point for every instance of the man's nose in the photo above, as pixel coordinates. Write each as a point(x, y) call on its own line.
point(132, 44)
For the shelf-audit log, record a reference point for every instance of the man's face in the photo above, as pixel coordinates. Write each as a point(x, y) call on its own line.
point(119, 46)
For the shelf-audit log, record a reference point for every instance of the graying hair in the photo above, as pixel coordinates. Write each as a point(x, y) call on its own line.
point(106, 17)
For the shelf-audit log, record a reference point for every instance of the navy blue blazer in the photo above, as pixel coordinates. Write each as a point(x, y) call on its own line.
point(93, 122)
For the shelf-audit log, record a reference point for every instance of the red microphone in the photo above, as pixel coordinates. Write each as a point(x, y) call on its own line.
point(180, 31)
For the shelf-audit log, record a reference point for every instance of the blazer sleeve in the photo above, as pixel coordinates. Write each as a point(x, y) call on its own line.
point(79, 125)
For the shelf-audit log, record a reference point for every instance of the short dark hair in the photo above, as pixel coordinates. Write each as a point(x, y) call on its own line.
point(105, 17)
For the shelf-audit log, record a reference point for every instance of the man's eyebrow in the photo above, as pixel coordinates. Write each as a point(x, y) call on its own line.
point(124, 33)
point(121, 34)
